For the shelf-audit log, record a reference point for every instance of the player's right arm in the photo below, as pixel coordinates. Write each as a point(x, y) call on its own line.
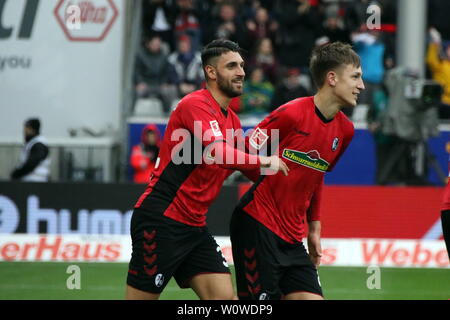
point(199, 119)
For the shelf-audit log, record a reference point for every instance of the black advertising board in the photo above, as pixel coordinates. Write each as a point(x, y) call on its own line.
point(86, 208)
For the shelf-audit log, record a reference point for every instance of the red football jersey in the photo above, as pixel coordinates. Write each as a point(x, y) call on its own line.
point(182, 185)
point(446, 197)
point(310, 146)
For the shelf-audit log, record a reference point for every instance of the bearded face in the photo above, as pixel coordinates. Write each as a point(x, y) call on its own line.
point(231, 86)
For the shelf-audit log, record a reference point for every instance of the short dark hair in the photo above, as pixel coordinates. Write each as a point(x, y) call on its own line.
point(330, 57)
point(34, 124)
point(216, 48)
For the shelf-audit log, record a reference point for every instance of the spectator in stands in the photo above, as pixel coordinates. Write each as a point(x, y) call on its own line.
point(34, 164)
point(144, 155)
point(438, 60)
point(158, 18)
point(264, 57)
point(289, 89)
point(371, 49)
point(249, 7)
point(257, 95)
point(227, 25)
point(187, 23)
point(261, 26)
point(335, 29)
point(151, 74)
point(185, 68)
point(438, 15)
point(355, 14)
point(299, 23)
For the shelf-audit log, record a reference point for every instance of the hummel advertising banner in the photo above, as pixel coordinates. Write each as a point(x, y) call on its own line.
point(60, 60)
point(87, 208)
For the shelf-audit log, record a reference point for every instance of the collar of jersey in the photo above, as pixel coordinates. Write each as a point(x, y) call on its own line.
point(216, 104)
point(321, 116)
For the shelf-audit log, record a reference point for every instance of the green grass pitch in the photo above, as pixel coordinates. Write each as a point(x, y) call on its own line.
point(47, 280)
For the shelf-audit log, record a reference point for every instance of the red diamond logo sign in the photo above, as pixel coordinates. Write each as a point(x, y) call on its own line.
point(94, 18)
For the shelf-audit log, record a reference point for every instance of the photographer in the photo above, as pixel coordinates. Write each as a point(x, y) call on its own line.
point(410, 119)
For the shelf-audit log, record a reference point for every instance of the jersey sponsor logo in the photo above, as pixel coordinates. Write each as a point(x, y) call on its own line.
point(215, 128)
point(335, 144)
point(310, 159)
point(258, 139)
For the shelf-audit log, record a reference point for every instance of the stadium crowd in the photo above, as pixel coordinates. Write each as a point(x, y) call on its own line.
point(278, 37)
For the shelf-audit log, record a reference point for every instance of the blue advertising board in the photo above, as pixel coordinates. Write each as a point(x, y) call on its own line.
point(356, 167)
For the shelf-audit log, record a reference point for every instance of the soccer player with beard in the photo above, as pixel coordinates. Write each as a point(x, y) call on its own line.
point(168, 226)
point(268, 224)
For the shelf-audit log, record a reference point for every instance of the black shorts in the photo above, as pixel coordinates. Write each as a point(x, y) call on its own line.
point(267, 267)
point(163, 247)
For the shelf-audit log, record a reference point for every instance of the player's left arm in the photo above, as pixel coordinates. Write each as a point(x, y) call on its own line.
point(313, 213)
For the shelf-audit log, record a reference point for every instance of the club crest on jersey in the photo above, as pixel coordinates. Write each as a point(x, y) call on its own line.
point(263, 296)
point(335, 144)
point(159, 280)
point(258, 139)
point(310, 159)
point(215, 128)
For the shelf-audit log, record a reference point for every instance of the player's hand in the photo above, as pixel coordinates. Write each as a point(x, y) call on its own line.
point(274, 163)
point(314, 249)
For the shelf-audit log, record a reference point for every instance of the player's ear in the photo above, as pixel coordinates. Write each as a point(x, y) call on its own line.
point(331, 78)
point(211, 72)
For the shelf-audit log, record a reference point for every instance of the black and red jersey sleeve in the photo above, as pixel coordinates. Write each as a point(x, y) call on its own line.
point(199, 118)
point(240, 144)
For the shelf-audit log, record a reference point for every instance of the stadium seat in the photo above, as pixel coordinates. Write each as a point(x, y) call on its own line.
point(148, 107)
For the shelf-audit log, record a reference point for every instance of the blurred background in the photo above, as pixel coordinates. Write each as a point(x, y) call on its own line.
point(99, 78)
